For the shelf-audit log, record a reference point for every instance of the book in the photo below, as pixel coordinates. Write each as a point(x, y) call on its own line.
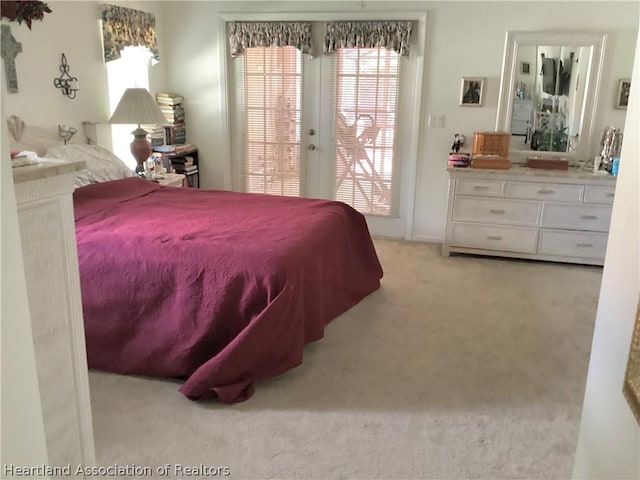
point(186, 170)
point(166, 96)
point(165, 148)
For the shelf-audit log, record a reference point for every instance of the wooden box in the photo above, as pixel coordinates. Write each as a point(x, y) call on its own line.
point(490, 143)
point(495, 162)
point(548, 163)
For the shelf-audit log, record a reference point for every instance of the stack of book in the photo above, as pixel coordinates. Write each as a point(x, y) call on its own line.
point(184, 165)
point(156, 134)
point(171, 106)
point(172, 149)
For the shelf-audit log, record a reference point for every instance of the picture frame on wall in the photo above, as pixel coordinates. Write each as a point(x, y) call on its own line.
point(471, 91)
point(525, 68)
point(631, 385)
point(622, 95)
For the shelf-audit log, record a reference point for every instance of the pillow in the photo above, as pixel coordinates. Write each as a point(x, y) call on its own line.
point(102, 165)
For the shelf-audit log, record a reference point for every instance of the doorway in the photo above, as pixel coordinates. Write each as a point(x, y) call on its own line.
point(334, 126)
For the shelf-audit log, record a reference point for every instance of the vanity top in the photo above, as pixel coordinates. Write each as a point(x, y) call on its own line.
point(46, 167)
point(572, 173)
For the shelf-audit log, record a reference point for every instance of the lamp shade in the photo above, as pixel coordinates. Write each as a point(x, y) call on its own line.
point(137, 106)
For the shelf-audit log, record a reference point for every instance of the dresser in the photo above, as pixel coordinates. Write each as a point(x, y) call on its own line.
point(552, 215)
point(47, 231)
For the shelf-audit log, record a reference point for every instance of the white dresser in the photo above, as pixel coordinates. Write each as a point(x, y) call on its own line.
point(47, 230)
point(554, 215)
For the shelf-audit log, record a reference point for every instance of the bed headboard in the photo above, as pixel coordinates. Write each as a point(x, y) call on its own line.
point(35, 139)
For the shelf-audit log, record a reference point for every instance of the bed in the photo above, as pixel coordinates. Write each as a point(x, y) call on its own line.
point(221, 289)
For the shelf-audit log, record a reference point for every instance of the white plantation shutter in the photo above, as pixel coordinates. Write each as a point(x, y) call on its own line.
point(268, 84)
point(366, 96)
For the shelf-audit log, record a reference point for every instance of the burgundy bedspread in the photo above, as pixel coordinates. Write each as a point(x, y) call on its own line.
point(217, 287)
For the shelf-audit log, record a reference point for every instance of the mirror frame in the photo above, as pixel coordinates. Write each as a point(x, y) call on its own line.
point(513, 40)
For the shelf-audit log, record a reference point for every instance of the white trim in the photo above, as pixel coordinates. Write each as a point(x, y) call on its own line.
point(319, 16)
point(417, 127)
point(427, 239)
point(223, 81)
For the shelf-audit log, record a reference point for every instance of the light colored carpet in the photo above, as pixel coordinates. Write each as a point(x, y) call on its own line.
point(459, 367)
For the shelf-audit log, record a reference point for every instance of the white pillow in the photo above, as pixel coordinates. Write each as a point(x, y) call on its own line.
point(102, 165)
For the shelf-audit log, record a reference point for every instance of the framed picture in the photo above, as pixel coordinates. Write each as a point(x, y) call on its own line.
point(524, 67)
point(631, 386)
point(622, 97)
point(471, 91)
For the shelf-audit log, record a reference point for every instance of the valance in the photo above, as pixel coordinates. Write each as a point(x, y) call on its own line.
point(243, 35)
point(394, 35)
point(126, 27)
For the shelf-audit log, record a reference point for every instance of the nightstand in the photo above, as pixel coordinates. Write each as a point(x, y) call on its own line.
point(171, 180)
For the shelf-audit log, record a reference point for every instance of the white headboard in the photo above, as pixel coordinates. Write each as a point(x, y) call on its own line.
point(34, 139)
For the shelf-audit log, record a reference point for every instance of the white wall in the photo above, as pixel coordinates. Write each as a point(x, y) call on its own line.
point(463, 39)
point(609, 439)
point(72, 28)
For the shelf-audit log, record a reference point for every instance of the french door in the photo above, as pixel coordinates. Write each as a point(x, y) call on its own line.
point(329, 127)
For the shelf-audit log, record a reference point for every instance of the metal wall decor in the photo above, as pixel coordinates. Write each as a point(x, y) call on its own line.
point(66, 82)
point(10, 48)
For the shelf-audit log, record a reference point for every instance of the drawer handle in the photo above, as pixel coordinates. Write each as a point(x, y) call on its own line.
point(494, 237)
point(545, 191)
point(480, 187)
point(585, 245)
point(589, 217)
point(497, 212)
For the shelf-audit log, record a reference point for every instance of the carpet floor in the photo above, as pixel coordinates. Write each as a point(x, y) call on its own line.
point(459, 367)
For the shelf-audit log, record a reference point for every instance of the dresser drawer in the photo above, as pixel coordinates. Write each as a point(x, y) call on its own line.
point(494, 237)
point(573, 244)
point(599, 194)
point(578, 217)
point(485, 188)
point(493, 210)
point(558, 192)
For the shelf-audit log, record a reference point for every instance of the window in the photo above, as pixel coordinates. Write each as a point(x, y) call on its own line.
point(270, 94)
point(130, 70)
point(366, 104)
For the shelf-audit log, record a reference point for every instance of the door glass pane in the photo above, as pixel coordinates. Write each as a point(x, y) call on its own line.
point(366, 106)
point(273, 98)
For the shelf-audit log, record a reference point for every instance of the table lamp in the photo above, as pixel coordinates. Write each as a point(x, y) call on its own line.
point(137, 106)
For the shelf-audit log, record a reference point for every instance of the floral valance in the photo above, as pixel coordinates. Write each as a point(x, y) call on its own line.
point(126, 27)
point(243, 35)
point(394, 35)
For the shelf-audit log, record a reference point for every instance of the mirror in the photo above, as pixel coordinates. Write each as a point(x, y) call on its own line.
point(548, 93)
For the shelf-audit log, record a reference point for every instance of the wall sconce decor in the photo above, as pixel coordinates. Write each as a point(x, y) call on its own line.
point(66, 82)
point(65, 133)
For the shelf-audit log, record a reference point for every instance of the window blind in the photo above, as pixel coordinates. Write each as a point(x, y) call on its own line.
point(366, 103)
point(269, 97)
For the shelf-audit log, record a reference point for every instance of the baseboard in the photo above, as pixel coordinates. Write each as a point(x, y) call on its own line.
point(427, 239)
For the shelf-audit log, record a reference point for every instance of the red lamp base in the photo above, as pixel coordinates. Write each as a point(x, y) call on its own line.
point(140, 149)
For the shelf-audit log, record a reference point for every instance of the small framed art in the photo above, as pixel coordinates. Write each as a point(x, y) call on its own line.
point(622, 96)
point(471, 91)
point(525, 68)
